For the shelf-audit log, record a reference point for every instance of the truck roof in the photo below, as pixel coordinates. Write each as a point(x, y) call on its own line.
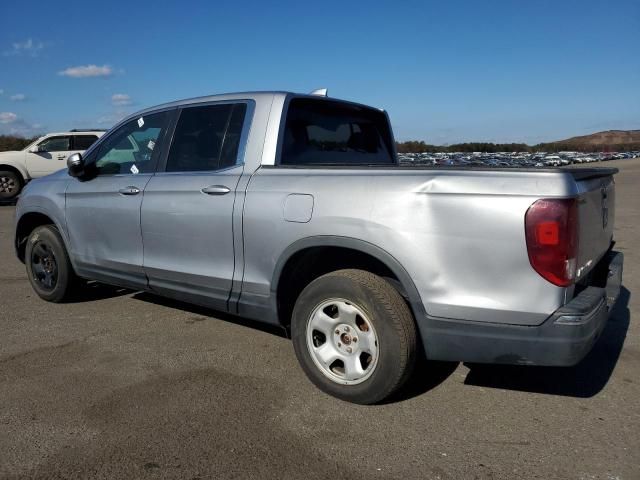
point(221, 97)
point(74, 132)
point(255, 95)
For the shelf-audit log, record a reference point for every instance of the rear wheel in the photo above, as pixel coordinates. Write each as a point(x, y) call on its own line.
point(48, 266)
point(354, 336)
point(10, 184)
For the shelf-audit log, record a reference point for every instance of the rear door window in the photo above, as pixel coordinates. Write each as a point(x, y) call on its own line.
point(324, 132)
point(207, 138)
point(82, 142)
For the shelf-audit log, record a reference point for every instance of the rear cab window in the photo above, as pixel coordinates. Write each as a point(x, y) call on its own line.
point(327, 132)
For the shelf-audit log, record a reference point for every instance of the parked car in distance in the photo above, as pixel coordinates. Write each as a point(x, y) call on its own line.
point(294, 210)
point(46, 155)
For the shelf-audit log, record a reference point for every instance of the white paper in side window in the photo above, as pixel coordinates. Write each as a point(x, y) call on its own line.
point(134, 170)
point(151, 144)
point(140, 122)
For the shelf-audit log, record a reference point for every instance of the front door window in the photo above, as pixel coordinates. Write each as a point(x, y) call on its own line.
point(54, 144)
point(133, 148)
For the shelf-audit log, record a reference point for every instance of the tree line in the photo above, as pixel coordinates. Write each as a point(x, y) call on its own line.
point(10, 142)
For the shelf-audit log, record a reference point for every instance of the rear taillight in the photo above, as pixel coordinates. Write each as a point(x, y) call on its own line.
point(551, 228)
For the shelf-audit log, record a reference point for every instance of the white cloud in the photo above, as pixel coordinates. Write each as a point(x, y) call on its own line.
point(18, 97)
point(120, 99)
point(11, 124)
point(7, 117)
point(28, 47)
point(84, 71)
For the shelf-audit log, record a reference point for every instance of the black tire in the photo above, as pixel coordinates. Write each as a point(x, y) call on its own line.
point(48, 266)
point(392, 323)
point(11, 184)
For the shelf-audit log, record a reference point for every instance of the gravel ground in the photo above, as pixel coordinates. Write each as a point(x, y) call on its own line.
point(128, 385)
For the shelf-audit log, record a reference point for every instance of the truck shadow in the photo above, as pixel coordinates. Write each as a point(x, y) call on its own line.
point(92, 291)
point(204, 313)
point(584, 380)
point(427, 375)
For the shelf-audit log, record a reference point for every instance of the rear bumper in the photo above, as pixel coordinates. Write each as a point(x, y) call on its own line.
point(562, 340)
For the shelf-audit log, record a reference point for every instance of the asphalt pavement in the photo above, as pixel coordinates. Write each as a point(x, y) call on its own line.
point(124, 384)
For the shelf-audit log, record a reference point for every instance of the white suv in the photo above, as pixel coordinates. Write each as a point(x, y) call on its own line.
point(46, 155)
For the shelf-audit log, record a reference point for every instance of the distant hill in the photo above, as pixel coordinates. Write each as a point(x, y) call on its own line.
point(610, 140)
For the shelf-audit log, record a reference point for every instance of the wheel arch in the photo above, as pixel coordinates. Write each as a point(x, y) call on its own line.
point(21, 174)
point(13, 168)
point(380, 258)
point(27, 223)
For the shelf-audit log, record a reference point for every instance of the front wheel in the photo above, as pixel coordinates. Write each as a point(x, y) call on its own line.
point(354, 336)
point(48, 266)
point(10, 184)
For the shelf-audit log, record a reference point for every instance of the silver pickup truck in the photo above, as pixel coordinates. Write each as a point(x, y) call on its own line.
point(293, 210)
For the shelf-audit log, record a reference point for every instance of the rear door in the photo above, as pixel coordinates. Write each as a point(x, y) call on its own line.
point(187, 212)
point(103, 210)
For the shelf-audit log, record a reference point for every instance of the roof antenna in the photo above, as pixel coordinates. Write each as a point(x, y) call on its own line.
point(320, 92)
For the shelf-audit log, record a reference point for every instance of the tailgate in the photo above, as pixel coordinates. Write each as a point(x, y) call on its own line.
point(596, 214)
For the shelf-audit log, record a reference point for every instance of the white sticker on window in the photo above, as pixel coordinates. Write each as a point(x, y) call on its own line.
point(134, 170)
point(151, 144)
point(140, 122)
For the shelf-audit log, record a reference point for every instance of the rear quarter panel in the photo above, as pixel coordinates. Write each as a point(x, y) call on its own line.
point(459, 234)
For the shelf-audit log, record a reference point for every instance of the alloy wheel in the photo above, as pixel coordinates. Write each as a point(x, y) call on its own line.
point(342, 342)
point(8, 185)
point(44, 266)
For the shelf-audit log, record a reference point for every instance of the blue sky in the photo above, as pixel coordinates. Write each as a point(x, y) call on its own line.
point(446, 71)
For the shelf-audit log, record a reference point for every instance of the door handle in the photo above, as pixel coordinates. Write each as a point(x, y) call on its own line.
point(129, 191)
point(216, 190)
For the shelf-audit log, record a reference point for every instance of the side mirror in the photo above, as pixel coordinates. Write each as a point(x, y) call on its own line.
point(75, 165)
point(34, 149)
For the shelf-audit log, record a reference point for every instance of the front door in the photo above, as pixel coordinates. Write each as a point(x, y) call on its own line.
point(103, 210)
point(187, 212)
point(51, 156)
